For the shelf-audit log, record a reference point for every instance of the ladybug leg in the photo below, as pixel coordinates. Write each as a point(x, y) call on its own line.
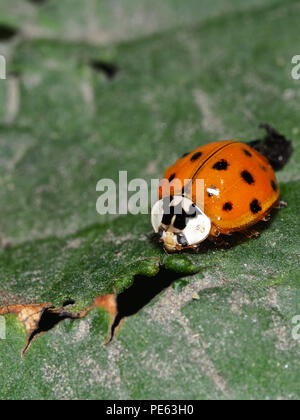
point(266, 218)
point(214, 233)
point(281, 204)
point(249, 233)
point(219, 242)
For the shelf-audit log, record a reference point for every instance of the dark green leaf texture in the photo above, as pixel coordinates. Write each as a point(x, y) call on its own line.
point(186, 73)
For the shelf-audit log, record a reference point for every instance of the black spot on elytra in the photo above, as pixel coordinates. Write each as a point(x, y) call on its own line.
point(185, 154)
point(7, 32)
point(274, 186)
point(171, 177)
point(247, 153)
point(109, 69)
point(263, 168)
point(247, 177)
point(227, 206)
point(221, 165)
point(196, 156)
point(254, 206)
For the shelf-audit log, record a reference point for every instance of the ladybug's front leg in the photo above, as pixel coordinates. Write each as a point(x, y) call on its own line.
point(251, 233)
point(218, 240)
point(281, 204)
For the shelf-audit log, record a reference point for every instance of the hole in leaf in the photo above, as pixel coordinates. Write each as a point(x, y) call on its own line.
point(7, 32)
point(49, 319)
point(141, 292)
point(109, 69)
point(68, 302)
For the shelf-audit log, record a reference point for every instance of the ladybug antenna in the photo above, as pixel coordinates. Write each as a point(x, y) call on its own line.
point(274, 146)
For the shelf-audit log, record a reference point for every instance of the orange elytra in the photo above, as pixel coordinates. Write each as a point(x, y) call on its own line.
point(240, 189)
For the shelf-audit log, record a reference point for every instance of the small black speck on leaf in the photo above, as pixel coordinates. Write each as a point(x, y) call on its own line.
point(7, 32)
point(109, 69)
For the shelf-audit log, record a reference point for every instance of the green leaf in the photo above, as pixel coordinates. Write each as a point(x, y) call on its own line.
point(183, 75)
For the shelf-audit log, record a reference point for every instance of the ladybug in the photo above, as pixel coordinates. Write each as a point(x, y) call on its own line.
point(240, 189)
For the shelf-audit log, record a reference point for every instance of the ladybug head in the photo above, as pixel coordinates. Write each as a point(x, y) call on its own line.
point(179, 222)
